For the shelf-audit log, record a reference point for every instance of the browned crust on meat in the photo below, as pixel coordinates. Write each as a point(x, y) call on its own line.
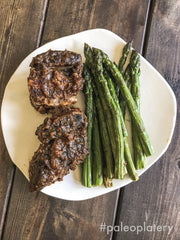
point(63, 148)
point(55, 79)
point(63, 122)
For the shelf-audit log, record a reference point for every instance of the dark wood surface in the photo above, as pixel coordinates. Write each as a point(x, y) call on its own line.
point(17, 40)
point(154, 199)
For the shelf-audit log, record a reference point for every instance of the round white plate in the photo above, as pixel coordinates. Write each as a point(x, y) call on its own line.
point(20, 119)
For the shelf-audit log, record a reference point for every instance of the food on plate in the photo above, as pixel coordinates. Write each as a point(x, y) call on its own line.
point(64, 122)
point(113, 90)
point(55, 79)
point(139, 154)
point(99, 139)
point(133, 109)
point(87, 166)
point(63, 147)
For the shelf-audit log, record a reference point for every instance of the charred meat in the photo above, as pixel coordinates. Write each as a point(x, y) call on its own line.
point(64, 146)
point(64, 122)
point(55, 79)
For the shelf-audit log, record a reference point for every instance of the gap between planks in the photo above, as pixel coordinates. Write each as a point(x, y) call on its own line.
point(7, 200)
point(10, 187)
point(143, 50)
point(42, 24)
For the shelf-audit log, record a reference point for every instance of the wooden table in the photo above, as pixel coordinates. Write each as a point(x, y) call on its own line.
point(154, 27)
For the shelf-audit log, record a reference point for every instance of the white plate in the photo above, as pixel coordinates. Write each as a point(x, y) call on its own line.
point(20, 119)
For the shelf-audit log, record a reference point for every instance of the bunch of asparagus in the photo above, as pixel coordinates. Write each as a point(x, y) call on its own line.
point(109, 90)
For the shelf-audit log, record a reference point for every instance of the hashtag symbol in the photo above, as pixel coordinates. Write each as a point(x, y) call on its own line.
point(102, 227)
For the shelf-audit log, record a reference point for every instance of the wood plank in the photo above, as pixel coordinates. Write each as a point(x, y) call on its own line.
point(35, 215)
point(124, 18)
point(16, 41)
point(155, 198)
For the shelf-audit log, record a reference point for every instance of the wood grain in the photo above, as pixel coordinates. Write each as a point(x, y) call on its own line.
point(19, 29)
point(125, 18)
point(155, 198)
point(44, 217)
point(37, 216)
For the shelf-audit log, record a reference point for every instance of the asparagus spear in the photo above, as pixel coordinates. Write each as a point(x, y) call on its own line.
point(125, 53)
point(121, 64)
point(97, 160)
point(109, 121)
point(139, 157)
point(107, 181)
point(114, 96)
point(135, 72)
point(101, 84)
point(143, 135)
point(106, 146)
point(127, 76)
point(89, 59)
point(86, 166)
point(128, 158)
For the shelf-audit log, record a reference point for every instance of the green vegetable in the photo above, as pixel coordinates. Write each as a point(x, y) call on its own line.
point(128, 158)
point(94, 60)
point(139, 157)
point(124, 56)
point(89, 59)
point(127, 79)
point(133, 109)
point(107, 181)
point(102, 86)
point(106, 145)
point(97, 159)
point(86, 166)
